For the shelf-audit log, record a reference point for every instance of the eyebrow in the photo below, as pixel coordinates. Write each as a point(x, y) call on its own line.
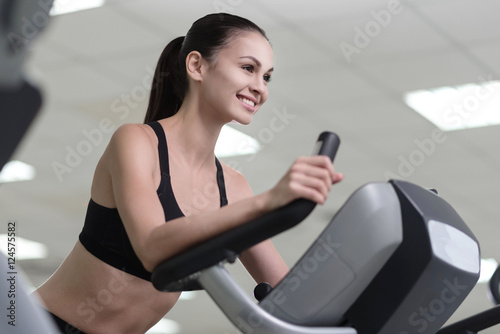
point(257, 62)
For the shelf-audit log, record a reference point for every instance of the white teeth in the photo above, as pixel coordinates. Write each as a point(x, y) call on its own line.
point(247, 101)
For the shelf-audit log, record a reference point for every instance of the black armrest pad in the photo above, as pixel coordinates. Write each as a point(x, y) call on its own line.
point(229, 244)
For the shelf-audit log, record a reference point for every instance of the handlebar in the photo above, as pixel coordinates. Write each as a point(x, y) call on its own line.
point(494, 286)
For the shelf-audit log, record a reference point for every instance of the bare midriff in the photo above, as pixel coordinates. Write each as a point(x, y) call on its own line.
point(98, 298)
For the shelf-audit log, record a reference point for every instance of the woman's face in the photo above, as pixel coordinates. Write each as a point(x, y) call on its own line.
point(236, 84)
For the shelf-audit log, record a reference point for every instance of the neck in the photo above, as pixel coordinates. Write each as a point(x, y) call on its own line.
point(192, 133)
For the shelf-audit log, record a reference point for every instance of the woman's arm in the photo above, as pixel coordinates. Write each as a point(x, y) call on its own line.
point(131, 161)
point(262, 261)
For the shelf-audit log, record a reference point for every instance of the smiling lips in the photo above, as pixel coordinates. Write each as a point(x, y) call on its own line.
point(249, 104)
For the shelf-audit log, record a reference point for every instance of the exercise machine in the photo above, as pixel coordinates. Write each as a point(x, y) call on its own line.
point(395, 259)
point(20, 99)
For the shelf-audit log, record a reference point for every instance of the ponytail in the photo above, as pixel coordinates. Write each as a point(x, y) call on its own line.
point(169, 83)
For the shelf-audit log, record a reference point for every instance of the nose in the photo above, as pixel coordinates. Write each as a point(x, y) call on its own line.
point(259, 87)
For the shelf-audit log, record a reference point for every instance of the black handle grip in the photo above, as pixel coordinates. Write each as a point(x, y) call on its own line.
point(328, 143)
point(179, 272)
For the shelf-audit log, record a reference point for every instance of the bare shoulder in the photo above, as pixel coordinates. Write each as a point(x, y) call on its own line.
point(237, 187)
point(132, 132)
point(129, 152)
point(131, 143)
point(132, 138)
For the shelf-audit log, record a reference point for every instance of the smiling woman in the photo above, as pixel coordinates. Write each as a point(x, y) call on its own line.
point(151, 200)
point(207, 43)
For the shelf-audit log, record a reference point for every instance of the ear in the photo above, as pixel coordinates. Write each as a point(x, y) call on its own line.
point(194, 63)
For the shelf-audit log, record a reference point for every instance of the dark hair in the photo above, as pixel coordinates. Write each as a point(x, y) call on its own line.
point(208, 36)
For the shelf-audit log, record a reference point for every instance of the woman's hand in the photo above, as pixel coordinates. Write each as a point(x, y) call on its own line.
point(309, 177)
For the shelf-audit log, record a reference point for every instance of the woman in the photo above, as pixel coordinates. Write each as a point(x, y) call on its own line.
point(217, 74)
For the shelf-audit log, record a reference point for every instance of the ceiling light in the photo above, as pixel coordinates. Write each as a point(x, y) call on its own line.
point(188, 295)
point(458, 107)
point(16, 171)
point(232, 142)
point(63, 7)
point(24, 249)
point(164, 326)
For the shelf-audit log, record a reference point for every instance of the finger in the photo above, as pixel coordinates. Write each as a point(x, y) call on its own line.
point(308, 193)
point(316, 184)
point(318, 171)
point(337, 177)
point(321, 161)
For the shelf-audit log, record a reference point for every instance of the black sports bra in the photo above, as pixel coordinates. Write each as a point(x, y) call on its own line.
point(103, 233)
